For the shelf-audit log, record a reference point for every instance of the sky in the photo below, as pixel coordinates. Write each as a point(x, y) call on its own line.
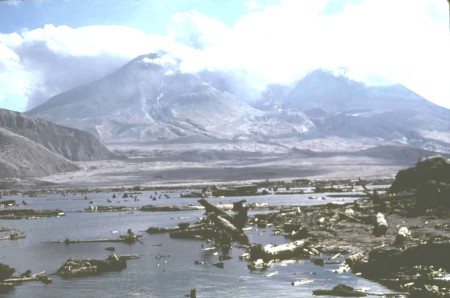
point(50, 46)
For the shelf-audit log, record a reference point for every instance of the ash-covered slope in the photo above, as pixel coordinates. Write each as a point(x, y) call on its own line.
point(20, 157)
point(345, 108)
point(148, 100)
point(73, 144)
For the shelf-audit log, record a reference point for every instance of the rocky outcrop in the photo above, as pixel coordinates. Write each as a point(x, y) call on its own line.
point(434, 168)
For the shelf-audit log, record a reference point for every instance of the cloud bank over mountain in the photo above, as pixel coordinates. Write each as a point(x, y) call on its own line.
point(377, 42)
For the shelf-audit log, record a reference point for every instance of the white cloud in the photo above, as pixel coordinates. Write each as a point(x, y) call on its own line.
point(41, 63)
point(377, 41)
point(252, 5)
point(196, 30)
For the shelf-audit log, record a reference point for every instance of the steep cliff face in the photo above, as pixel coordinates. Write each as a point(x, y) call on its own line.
point(73, 144)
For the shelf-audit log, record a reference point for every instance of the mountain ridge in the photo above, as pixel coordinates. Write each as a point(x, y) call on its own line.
point(32, 147)
point(147, 100)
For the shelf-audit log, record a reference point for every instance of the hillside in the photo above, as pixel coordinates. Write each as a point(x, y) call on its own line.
point(75, 145)
point(20, 157)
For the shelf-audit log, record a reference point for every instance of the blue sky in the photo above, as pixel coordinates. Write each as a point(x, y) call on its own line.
point(150, 16)
point(47, 47)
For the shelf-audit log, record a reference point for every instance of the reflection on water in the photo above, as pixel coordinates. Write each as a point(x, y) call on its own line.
point(166, 267)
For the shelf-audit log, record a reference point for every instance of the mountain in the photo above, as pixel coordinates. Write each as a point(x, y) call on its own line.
point(31, 147)
point(345, 108)
point(321, 89)
point(147, 101)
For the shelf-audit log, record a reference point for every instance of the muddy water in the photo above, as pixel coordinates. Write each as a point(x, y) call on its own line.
point(166, 267)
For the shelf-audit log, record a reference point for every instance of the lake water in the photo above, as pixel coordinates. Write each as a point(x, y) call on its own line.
point(166, 266)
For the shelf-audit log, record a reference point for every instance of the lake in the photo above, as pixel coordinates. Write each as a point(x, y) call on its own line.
point(166, 266)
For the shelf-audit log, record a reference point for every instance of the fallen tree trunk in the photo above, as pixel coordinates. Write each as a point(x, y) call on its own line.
point(213, 209)
point(282, 251)
point(341, 291)
point(198, 233)
point(227, 226)
point(41, 276)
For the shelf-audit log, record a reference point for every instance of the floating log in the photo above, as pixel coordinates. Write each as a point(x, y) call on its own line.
point(341, 291)
point(123, 239)
point(154, 208)
point(29, 213)
point(110, 209)
point(156, 230)
point(41, 276)
point(14, 236)
point(85, 267)
point(199, 233)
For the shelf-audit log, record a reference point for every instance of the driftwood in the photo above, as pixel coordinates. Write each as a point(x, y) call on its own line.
point(213, 209)
point(197, 233)
point(227, 226)
point(7, 203)
point(381, 225)
point(354, 259)
point(349, 214)
point(156, 230)
point(154, 208)
point(281, 251)
point(13, 236)
point(259, 264)
point(122, 239)
point(402, 235)
point(29, 213)
point(79, 268)
point(41, 276)
point(341, 291)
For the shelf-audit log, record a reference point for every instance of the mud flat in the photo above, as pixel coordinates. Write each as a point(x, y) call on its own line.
point(175, 173)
